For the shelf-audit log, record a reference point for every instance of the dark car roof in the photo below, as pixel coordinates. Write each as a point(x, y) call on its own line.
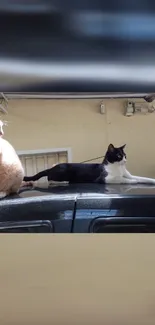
point(89, 190)
point(74, 208)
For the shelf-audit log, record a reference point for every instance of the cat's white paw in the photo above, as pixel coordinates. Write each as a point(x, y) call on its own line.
point(26, 184)
point(133, 181)
point(53, 183)
point(2, 195)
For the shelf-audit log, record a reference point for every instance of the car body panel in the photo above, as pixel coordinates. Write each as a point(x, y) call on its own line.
point(73, 208)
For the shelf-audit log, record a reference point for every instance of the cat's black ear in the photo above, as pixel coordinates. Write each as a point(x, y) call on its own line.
point(111, 147)
point(123, 146)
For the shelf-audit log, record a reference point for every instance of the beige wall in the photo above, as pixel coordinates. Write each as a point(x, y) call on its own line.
point(77, 279)
point(40, 124)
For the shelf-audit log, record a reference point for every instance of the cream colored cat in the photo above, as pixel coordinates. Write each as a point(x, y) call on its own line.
point(11, 170)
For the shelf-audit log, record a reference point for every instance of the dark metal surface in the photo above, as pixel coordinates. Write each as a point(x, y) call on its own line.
point(80, 190)
point(76, 208)
point(88, 209)
point(123, 225)
point(39, 207)
point(34, 226)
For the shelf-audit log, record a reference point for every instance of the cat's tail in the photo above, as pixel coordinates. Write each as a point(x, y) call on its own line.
point(34, 178)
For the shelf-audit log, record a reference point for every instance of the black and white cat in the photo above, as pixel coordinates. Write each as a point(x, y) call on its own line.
point(111, 171)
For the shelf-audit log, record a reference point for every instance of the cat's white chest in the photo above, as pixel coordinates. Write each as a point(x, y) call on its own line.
point(114, 171)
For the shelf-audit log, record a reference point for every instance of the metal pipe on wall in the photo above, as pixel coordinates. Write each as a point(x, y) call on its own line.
point(77, 95)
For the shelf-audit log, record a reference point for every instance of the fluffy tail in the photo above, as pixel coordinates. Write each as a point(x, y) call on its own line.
point(37, 176)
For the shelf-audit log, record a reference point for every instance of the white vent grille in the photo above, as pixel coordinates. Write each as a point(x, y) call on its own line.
point(34, 163)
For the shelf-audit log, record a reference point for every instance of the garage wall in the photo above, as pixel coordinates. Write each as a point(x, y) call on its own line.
point(41, 124)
